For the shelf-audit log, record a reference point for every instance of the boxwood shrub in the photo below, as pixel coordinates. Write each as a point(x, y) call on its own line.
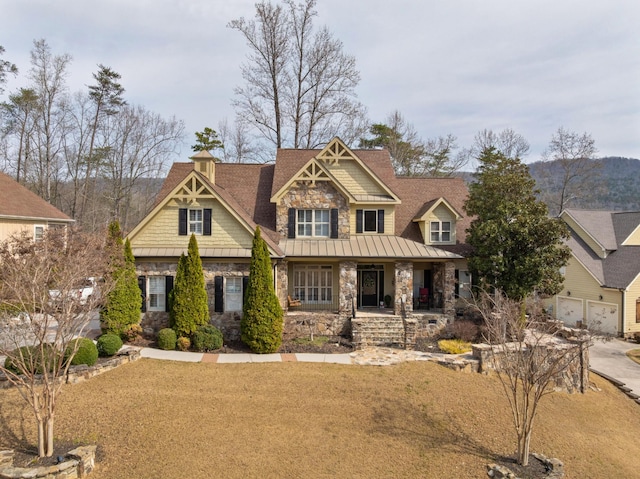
point(109, 344)
point(207, 338)
point(167, 339)
point(87, 352)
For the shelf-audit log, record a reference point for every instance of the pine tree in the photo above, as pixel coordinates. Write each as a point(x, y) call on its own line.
point(261, 325)
point(517, 247)
point(188, 307)
point(122, 304)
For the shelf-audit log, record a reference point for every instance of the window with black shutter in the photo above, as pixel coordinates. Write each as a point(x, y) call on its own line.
point(168, 287)
point(334, 223)
point(206, 225)
point(219, 294)
point(291, 226)
point(182, 222)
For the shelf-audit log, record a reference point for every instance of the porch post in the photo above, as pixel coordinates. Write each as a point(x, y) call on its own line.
point(404, 287)
point(348, 287)
point(282, 282)
point(449, 289)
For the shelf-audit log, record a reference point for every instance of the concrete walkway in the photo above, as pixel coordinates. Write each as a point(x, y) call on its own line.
point(245, 357)
point(611, 360)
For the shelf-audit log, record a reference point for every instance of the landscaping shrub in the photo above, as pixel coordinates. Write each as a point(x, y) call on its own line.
point(261, 325)
point(454, 346)
point(33, 359)
point(183, 343)
point(167, 339)
point(132, 333)
point(466, 331)
point(87, 352)
point(207, 338)
point(188, 306)
point(109, 344)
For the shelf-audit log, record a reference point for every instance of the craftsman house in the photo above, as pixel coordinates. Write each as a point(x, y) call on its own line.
point(344, 233)
point(21, 210)
point(602, 280)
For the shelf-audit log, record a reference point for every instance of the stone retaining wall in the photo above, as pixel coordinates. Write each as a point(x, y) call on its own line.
point(77, 463)
point(83, 372)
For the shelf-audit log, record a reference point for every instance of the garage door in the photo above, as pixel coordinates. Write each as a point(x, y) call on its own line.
point(569, 311)
point(603, 316)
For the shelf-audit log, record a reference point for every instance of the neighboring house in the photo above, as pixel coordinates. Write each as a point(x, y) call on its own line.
point(22, 210)
point(602, 278)
point(343, 233)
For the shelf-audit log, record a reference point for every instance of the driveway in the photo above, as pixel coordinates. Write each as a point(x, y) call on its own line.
point(610, 358)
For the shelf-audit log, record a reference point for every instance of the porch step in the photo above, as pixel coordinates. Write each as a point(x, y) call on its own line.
point(378, 331)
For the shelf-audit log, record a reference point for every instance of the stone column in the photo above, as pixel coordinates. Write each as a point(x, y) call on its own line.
point(282, 282)
point(348, 287)
point(449, 289)
point(404, 287)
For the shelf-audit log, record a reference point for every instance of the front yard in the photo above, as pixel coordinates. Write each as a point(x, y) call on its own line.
point(155, 419)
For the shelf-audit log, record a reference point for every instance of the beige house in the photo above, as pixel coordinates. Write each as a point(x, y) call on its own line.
point(23, 211)
point(602, 279)
point(344, 233)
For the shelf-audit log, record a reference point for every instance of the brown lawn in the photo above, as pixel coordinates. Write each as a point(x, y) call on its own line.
point(160, 419)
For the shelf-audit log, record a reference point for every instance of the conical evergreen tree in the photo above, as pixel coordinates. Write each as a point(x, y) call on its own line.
point(122, 303)
point(261, 325)
point(188, 307)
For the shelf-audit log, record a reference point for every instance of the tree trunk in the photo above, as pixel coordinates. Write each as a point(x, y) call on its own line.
point(41, 439)
point(524, 442)
point(49, 448)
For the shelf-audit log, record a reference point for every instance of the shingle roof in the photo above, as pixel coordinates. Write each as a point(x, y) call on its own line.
point(17, 201)
point(622, 264)
point(248, 189)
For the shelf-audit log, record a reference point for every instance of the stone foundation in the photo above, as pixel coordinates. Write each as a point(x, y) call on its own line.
point(78, 463)
point(301, 324)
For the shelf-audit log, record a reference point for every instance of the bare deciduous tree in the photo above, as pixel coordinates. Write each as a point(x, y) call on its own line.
point(530, 359)
point(41, 312)
point(570, 170)
point(508, 142)
point(299, 84)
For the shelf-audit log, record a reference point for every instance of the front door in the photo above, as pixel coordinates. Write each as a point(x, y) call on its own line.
point(369, 288)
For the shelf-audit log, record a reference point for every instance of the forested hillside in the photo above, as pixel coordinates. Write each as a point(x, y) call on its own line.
point(616, 187)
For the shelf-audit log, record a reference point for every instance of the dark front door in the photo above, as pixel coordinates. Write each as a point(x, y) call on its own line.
point(369, 288)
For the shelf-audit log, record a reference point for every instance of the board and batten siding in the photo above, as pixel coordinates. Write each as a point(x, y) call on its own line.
point(389, 218)
point(355, 180)
point(162, 229)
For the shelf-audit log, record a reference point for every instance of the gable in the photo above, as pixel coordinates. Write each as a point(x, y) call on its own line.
point(583, 226)
point(634, 238)
point(348, 174)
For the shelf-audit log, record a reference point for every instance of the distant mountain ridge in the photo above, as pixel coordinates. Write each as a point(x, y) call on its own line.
point(620, 179)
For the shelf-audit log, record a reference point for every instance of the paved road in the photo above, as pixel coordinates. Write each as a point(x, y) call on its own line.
point(610, 358)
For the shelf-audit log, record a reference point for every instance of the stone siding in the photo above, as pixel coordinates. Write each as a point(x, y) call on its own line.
point(348, 285)
point(322, 323)
point(322, 195)
point(404, 288)
point(77, 463)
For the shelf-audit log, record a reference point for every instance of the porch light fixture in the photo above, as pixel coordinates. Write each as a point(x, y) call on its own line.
point(568, 293)
point(600, 297)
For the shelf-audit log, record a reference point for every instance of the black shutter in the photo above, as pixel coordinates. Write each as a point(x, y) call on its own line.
point(457, 284)
point(245, 283)
point(142, 284)
point(380, 286)
point(334, 223)
point(291, 226)
point(218, 295)
point(168, 287)
point(182, 222)
point(359, 221)
point(206, 227)
point(380, 221)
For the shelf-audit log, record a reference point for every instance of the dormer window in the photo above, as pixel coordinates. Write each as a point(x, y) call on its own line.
point(440, 231)
point(369, 221)
point(313, 223)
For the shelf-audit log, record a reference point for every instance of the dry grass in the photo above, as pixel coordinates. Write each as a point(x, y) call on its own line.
point(634, 355)
point(160, 419)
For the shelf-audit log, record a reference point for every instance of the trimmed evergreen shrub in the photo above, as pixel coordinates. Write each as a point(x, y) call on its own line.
point(207, 338)
point(32, 359)
point(108, 344)
point(87, 352)
point(167, 339)
point(123, 303)
point(262, 316)
point(188, 307)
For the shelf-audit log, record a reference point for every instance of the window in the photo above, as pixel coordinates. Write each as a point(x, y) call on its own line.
point(38, 232)
point(464, 284)
point(313, 284)
point(233, 294)
point(157, 293)
point(440, 231)
point(313, 223)
point(195, 221)
point(369, 221)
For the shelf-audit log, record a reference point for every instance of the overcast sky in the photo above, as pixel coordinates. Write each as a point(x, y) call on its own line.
point(449, 66)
